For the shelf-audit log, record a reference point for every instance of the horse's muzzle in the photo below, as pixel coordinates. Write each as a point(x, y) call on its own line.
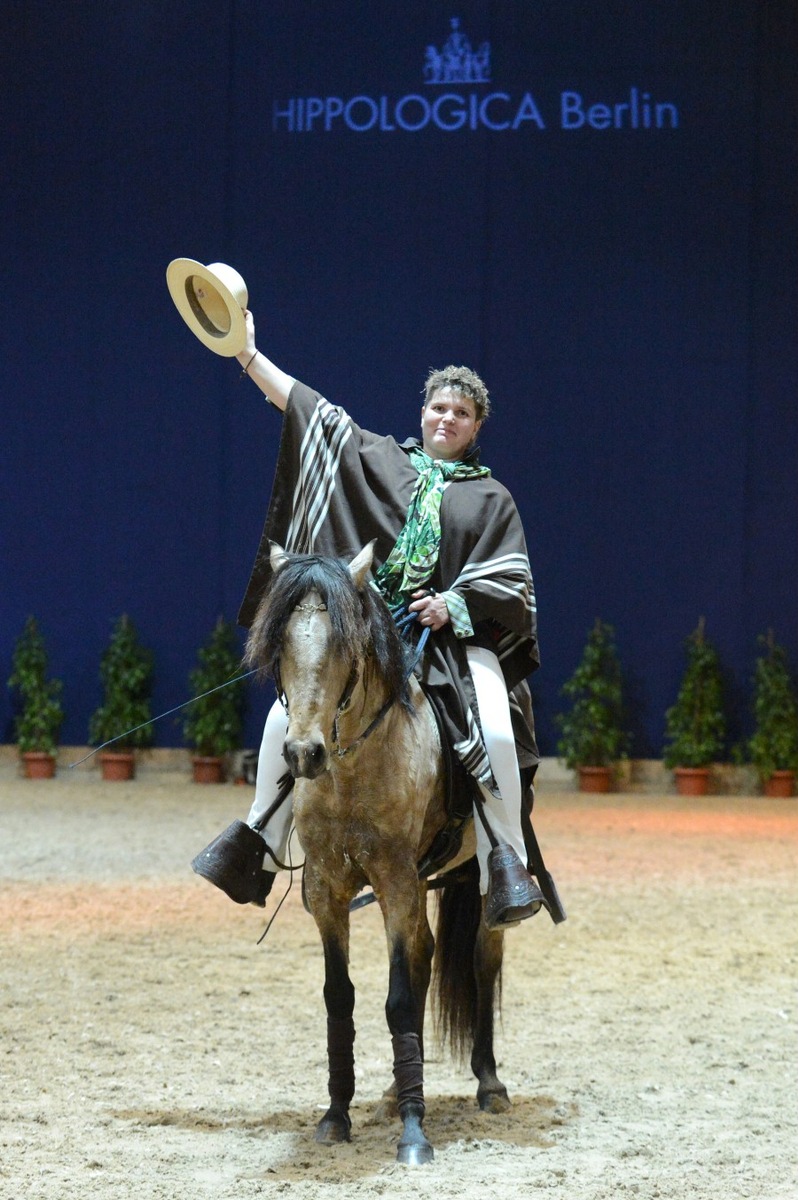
point(306, 759)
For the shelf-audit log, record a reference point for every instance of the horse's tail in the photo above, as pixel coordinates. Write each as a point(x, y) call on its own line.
point(454, 991)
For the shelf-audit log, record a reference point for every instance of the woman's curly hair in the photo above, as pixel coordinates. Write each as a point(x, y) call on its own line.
point(462, 380)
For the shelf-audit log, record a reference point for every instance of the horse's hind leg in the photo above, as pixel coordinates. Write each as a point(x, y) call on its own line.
point(488, 953)
point(339, 998)
point(468, 959)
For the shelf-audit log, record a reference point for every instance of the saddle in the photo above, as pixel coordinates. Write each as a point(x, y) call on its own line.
point(459, 797)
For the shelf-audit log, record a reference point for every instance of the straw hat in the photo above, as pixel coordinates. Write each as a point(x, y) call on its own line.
point(211, 300)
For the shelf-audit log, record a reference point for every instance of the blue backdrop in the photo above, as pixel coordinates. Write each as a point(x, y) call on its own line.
point(593, 205)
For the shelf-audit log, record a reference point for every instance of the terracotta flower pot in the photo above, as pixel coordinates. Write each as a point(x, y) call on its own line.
point(38, 764)
point(780, 783)
point(692, 781)
point(595, 779)
point(118, 765)
point(207, 769)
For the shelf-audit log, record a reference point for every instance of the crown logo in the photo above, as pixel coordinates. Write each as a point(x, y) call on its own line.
point(457, 62)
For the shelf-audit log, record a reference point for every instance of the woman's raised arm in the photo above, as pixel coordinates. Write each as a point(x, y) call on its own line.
point(273, 382)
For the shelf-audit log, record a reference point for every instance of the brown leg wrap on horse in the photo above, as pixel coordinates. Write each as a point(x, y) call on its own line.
point(341, 1059)
point(408, 1071)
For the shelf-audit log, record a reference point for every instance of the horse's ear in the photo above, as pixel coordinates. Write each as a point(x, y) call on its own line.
point(277, 556)
point(361, 565)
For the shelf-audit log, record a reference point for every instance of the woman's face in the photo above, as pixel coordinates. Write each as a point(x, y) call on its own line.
point(448, 424)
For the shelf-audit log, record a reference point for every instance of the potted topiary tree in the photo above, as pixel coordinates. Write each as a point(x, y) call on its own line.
point(126, 670)
point(773, 747)
point(695, 726)
point(593, 737)
point(214, 722)
point(39, 720)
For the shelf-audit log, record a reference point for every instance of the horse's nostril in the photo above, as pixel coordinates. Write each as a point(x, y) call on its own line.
point(316, 754)
point(315, 759)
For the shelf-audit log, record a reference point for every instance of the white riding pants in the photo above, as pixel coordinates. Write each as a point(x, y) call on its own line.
point(503, 811)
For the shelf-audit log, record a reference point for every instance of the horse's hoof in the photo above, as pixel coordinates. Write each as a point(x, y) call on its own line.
point(332, 1130)
point(415, 1154)
point(494, 1102)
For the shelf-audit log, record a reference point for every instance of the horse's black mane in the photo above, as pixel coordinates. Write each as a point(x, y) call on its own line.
point(360, 622)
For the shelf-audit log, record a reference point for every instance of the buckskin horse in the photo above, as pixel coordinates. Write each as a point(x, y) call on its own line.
point(369, 798)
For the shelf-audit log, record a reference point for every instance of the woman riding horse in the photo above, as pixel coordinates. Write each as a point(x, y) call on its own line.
point(449, 546)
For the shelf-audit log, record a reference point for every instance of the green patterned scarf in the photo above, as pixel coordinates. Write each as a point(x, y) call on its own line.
point(410, 564)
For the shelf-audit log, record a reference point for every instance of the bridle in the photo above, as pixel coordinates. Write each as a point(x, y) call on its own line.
point(350, 685)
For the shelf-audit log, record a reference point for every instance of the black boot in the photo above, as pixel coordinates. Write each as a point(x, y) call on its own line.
point(513, 894)
point(234, 862)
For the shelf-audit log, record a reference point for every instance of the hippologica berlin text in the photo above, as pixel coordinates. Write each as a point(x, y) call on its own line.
point(459, 107)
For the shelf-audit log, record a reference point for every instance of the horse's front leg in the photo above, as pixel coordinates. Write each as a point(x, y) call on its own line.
point(420, 972)
point(404, 1022)
point(339, 999)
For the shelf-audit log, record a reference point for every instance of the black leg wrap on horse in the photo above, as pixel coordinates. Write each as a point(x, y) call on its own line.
point(341, 1059)
point(408, 1072)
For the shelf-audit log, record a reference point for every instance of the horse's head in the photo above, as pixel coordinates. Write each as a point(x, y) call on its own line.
point(313, 631)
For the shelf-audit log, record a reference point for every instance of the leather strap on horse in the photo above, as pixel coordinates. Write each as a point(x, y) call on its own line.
point(284, 784)
point(480, 807)
point(408, 1072)
point(546, 884)
point(341, 751)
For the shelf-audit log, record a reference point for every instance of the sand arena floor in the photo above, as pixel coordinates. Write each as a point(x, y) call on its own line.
point(150, 1048)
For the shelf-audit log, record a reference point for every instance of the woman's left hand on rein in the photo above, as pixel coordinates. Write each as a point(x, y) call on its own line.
point(431, 609)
